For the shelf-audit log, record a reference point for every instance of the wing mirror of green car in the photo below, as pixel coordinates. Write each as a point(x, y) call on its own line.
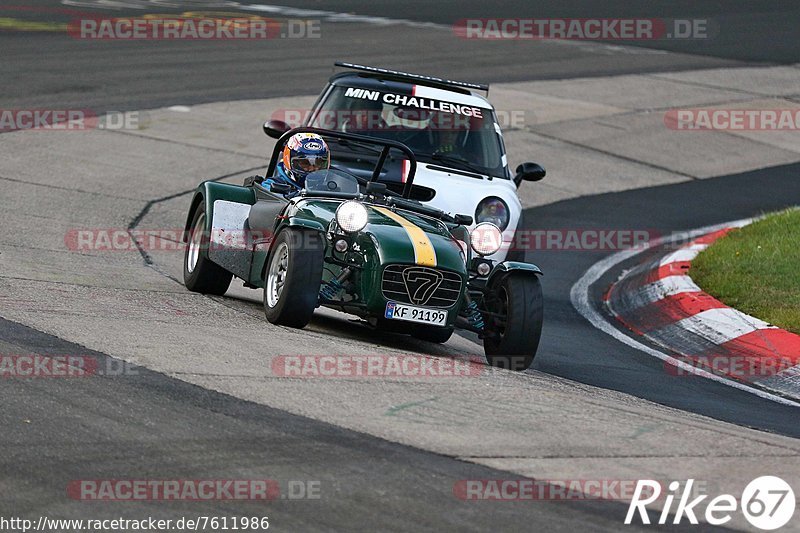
point(463, 220)
point(280, 188)
point(376, 189)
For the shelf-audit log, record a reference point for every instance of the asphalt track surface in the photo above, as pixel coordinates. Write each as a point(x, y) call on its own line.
point(148, 424)
point(595, 358)
point(747, 31)
point(52, 69)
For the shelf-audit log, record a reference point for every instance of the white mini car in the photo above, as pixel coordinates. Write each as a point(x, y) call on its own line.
point(452, 130)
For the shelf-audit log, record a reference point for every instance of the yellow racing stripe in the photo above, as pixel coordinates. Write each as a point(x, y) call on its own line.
point(424, 254)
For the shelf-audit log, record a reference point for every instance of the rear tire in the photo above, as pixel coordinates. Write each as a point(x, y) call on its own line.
point(200, 274)
point(292, 278)
point(512, 343)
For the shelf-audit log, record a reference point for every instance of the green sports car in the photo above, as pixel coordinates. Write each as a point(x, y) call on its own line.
point(355, 244)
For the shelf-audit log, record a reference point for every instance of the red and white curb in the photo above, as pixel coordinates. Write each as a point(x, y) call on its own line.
point(660, 301)
point(702, 336)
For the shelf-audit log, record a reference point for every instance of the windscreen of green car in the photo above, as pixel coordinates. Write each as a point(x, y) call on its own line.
point(331, 180)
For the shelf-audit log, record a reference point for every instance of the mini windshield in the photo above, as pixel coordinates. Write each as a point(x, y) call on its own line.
point(450, 134)
point(331, 180)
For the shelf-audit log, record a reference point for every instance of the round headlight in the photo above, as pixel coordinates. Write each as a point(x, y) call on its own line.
point(486, 238)
point(352, 216)
point(494, 210)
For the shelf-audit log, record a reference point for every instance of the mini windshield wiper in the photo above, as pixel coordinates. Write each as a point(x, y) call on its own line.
point(458, 161)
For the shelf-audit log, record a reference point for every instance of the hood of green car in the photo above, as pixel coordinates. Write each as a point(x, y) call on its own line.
point(397, 236)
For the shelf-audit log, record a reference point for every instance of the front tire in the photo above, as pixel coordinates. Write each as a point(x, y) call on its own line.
point(292, 278)
point(200, 274)
point(512, 343)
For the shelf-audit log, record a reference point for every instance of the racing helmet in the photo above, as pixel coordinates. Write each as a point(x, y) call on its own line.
point(305, 153)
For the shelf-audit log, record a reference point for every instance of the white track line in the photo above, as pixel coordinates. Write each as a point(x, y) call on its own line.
point(579, 295)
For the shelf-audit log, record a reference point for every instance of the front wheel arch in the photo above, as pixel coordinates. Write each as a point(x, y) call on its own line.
point(200, 274)
point(196, 201)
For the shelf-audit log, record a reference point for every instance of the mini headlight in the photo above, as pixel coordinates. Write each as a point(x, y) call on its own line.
point(486, 238)
point(494, 210)
point(352, 216)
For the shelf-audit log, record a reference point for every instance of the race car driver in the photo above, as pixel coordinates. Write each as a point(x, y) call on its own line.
point(304, 153)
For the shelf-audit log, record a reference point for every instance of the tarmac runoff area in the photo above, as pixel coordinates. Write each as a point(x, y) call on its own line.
point(591, 134)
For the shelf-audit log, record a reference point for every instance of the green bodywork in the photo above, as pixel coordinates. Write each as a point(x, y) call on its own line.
point(382, 242)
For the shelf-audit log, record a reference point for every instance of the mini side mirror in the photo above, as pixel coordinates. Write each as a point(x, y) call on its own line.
point(276, 128)
point(529, 172)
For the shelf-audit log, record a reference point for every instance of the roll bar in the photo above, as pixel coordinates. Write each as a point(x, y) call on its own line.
point(386, 145)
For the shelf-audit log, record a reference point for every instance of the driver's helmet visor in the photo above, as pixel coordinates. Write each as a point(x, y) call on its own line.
point(310, 163)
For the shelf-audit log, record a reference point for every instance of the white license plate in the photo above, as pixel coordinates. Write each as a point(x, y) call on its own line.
point(412, 313)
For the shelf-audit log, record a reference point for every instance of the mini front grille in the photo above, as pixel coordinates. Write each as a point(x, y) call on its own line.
point(418, 285)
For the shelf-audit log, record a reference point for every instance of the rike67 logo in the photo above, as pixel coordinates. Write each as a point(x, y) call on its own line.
point(767, 503)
